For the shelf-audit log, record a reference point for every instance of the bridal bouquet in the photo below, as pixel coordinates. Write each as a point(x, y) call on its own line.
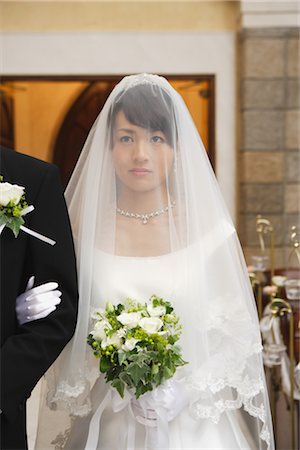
point(136, 344)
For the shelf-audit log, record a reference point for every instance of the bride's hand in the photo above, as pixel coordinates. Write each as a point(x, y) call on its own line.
point(37, 302)
point(171, 397)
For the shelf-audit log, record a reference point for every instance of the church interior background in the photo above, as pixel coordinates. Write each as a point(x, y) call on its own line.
point(236, 64)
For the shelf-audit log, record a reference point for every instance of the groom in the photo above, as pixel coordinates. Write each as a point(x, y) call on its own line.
point(28, 350)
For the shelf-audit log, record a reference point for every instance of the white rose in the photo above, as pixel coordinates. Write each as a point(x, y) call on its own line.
point(113, 340)
point(99, 330)
point(156, 311)
point(131, 320)
point(151, 324)
point(9, 192)
point(129, 344)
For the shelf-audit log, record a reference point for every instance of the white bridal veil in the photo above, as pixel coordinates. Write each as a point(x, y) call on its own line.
point(162, 200)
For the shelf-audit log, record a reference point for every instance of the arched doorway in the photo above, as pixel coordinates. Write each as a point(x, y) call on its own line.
point(6, 118)
point(77, 124)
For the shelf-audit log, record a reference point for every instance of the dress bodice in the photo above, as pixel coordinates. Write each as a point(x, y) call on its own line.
point(119, 277)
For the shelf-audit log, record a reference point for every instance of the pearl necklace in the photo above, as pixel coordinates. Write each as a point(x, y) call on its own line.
point(147, 216)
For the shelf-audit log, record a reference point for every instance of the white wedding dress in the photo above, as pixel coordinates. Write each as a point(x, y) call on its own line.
point(116, 278)
point(145, 155)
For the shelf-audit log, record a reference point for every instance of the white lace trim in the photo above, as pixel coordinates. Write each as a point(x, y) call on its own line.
point(74, 399)
point(234, 371)
point(246, 390)
point(235, 378)
point(61, 439)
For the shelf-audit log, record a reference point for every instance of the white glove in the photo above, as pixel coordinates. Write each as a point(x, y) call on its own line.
point(37, 302)
point(171, 397)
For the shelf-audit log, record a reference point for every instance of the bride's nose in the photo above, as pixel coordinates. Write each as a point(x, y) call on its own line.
point(141, 150)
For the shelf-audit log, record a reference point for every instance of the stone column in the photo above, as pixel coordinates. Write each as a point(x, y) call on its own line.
point(269, 105)
point(269, 139)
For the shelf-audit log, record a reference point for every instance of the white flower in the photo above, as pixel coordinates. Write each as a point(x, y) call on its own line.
point(278, 280)
point(156, 311)
point(131, 320)
point(95, 313)
point(121, 333)
point(151, 324)
point(113, 340)
point(99, 330)
point(129, 344)
point(10, 192)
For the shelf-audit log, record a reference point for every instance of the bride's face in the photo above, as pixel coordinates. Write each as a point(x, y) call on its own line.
point(142, 158)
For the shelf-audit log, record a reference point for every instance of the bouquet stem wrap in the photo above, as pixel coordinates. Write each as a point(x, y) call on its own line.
point(157, 436)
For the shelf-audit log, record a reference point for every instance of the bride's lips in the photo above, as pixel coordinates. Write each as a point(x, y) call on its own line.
point(139, 171)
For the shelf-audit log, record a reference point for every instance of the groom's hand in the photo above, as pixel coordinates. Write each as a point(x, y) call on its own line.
point(37, 302)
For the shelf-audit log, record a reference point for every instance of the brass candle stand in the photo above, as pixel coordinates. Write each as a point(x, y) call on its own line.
point(257, 287)
point(294, 239)
point(264, 227)
point(279, 308)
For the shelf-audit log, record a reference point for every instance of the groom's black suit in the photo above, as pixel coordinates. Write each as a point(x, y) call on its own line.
point(28, 350)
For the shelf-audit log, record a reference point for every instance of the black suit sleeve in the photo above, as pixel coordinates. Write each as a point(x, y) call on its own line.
point(26, 355)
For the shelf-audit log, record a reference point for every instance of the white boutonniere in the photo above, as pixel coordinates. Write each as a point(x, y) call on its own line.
point(13, 207)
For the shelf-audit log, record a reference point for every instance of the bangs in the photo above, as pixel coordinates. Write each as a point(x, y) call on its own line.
point(148, 107)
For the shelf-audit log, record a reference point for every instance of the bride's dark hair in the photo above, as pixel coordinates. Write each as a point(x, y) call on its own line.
point(146, 106)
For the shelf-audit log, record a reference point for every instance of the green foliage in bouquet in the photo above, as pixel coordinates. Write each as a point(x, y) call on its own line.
point(136, 344)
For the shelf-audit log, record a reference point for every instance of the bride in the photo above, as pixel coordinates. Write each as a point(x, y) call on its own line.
point(148, 218)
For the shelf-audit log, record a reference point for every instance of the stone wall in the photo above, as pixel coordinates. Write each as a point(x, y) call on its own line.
point(269, 144)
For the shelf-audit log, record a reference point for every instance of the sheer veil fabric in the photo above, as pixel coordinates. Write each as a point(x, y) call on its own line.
point(144, 156)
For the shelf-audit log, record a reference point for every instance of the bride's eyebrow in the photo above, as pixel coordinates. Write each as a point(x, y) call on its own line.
point(125, 130)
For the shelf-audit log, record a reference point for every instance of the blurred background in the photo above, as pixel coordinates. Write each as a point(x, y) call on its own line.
point(236, 64)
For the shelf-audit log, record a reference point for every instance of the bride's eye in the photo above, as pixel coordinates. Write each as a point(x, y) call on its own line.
point(156, 139)
point(126, 139)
